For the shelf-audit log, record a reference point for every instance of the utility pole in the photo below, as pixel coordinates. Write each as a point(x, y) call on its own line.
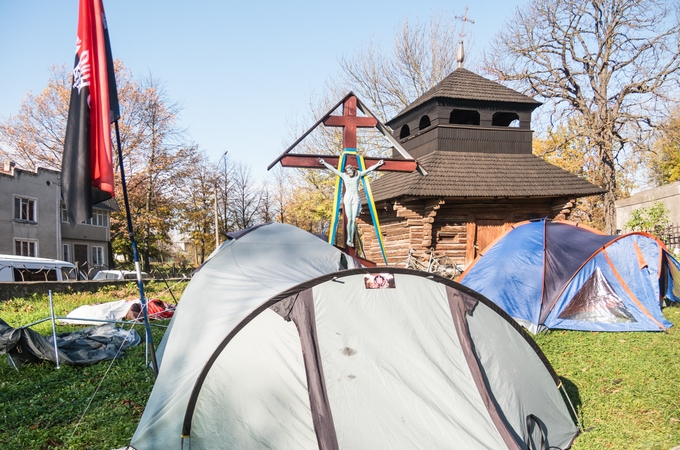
point(217, 223)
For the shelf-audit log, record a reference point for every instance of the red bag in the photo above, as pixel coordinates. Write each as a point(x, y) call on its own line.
point(158, 309)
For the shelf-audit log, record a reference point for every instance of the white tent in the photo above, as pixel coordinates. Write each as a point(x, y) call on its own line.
point(245, 271)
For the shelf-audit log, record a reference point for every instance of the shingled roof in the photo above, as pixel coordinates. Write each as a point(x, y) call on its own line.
point(460, 174)
point(461, 84)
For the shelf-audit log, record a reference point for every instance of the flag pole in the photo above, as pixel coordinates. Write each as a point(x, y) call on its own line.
point(135, 257)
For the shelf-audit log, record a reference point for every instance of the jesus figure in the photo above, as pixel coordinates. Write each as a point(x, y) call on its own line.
point(351, 202)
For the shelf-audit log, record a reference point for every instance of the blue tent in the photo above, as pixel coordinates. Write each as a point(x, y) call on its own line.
point(559, 274)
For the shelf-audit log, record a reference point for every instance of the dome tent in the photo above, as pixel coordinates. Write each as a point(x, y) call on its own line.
point(560, 274)
point(363, 358)
point(243, 273)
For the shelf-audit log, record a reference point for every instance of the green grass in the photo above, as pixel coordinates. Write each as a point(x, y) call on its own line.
point(625, 386)
point(42, 407)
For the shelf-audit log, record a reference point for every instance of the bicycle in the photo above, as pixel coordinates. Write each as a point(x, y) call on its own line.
point(443, 265)
point(413, 263)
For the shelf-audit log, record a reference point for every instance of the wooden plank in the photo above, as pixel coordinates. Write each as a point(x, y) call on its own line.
point(312, 162)
point(341, 121)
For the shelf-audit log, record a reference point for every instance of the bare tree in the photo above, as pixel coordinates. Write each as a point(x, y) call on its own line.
point(281, 194)
point(423, 54)
point(266, 212)
point(245, 200)
point(613, 63)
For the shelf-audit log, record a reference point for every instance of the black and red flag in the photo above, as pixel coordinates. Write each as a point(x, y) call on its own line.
point(87, 163)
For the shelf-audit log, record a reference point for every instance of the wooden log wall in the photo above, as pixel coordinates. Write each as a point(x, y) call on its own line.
point(448, 226)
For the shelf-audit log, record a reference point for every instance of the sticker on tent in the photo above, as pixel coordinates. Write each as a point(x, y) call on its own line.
point(596, 301)
point(379, 281)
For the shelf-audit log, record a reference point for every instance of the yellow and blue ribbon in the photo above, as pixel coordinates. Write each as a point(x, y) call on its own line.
point(371, 207)
point(337, 199)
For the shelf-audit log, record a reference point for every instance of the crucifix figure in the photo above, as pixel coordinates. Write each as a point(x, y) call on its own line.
point(350, 200)
point(350, 167)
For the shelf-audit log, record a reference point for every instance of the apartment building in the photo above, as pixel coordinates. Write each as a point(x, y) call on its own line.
point(33, 220)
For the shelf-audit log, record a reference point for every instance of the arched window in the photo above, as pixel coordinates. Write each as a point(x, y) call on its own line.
point(464, 117)
point(505, 119)
point(405, 131)
point(424, 122)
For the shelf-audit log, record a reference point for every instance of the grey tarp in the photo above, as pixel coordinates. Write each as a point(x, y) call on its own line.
point(83, 347)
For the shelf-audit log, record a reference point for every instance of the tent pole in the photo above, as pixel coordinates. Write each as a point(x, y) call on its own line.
point(135, 256)
point(54, 329)
point(580, 426)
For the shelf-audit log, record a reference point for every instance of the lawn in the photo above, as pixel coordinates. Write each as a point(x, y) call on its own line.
point(624, 385)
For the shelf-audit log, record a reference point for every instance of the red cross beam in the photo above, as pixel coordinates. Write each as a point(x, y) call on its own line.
point(349, 121)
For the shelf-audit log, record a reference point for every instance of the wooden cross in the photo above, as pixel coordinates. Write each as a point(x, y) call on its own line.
point(349, 122)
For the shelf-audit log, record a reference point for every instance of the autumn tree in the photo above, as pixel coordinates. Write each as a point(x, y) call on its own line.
point(155, 151)
point(196, 216)
point(610, 64)
point(664, 166)
point(35, 135)
point(158, 162)
point(564, 146)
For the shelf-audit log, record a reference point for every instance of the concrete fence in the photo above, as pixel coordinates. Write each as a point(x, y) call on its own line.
point(27, 288)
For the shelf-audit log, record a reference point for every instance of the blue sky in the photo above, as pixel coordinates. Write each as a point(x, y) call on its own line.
point(242, 71)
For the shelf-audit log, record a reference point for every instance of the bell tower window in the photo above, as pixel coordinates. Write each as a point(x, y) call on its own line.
point(464, 117)
point(405, 131)
point(505, 119)
point(424, 122)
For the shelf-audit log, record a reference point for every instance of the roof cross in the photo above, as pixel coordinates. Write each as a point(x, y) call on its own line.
point(460, 57)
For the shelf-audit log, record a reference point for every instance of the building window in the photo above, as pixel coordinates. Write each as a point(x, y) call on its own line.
point(67, 252)
point(24, 209)
point(97, 255)
point(25, 247)
point(100, 217)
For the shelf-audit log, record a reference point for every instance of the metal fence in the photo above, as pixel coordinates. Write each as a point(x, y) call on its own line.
point(671, 237)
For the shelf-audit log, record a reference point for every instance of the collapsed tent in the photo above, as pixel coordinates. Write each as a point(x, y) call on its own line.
point(560, 274)
point(355, 359)
point(83, 347)
point(117, 310)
